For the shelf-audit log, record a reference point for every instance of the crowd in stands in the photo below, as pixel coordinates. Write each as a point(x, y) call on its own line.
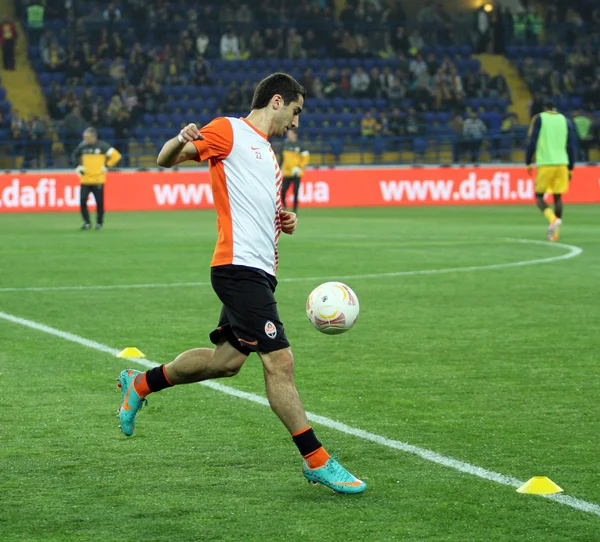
point(567, 67)
point(121, 65)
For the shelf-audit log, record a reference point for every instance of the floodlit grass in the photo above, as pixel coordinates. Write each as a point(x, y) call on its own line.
point(496, 367)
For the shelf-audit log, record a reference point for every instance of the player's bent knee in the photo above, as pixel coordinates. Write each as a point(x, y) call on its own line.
point(227, 360)
point(279, 363)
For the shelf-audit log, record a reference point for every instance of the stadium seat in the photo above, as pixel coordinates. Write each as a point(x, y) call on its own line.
point(44, 79)
point(107, 134)
point(493, 121)
point(163, 119)
point(106, 92)
point(429, 117)
point(420, 145)
point(204, 118)
point(336, 147)
point(443, 117)
point(59, 77)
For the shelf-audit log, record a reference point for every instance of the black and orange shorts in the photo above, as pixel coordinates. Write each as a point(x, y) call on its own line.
point(249, 319)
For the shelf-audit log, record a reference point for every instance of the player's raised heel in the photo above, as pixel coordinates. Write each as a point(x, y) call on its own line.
point(333, 476)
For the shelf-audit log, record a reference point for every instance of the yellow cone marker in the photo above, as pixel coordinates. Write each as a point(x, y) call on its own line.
point(131, 352)
point(539, 485)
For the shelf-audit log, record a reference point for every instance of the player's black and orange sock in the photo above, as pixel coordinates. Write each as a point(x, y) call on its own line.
point(310, 448)
point(153, 380)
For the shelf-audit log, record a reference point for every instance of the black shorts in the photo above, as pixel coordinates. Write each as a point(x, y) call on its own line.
point(249, 320)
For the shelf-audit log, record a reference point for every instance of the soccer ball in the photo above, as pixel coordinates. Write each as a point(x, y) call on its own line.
point(332, 308)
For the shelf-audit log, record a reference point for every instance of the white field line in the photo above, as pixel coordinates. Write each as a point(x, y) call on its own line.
point(423, 453)
point(572, 252)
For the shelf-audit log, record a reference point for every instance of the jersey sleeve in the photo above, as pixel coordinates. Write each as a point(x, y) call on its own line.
point(76, 156)
point(103, 146)
point(304, 157)
point(534, 134)
point(571, 138)
point(217, 142)
point(113, 157)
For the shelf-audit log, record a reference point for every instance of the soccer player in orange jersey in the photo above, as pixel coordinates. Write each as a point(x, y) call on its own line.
point(246, 184)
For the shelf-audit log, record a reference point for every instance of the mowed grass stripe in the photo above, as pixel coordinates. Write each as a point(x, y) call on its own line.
point(428, 455)
point(572, 252)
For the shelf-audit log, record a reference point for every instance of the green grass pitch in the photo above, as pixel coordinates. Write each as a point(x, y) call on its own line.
point(494, 366)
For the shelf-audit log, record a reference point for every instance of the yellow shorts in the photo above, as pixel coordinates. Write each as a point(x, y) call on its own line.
point(552, 180)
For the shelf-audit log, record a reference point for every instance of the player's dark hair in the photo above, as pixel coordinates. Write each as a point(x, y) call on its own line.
point(277, 83)
point(549, 103)
point(91, 130)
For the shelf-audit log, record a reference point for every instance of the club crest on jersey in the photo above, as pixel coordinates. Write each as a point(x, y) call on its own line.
point(270, 330)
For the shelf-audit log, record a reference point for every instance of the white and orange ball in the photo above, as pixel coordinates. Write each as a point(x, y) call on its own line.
point(332, 308)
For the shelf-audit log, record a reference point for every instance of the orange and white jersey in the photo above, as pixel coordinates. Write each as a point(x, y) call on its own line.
point(246, 183)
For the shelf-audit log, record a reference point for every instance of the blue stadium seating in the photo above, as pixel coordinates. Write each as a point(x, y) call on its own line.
point(333, 119)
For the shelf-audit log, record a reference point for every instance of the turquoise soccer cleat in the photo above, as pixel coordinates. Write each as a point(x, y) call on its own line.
point(334, 476)
point(132, 402)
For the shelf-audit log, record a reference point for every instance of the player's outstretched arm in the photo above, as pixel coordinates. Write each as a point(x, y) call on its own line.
point(180, 148)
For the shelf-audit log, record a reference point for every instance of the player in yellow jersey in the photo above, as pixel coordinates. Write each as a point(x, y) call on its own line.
point(295, 159)
point(552, 140)
point(93, 158)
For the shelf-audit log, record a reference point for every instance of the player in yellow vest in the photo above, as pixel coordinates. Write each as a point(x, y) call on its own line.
point(295, 159)
point(93, 158)
point(552, 140)
point(35, 20)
